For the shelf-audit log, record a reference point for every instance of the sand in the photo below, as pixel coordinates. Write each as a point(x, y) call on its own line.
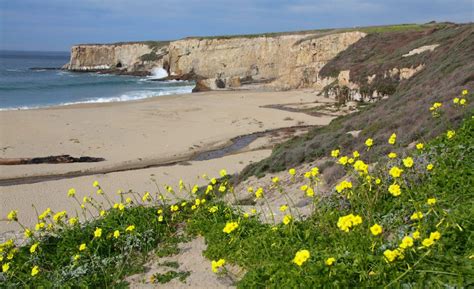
point(135, 135)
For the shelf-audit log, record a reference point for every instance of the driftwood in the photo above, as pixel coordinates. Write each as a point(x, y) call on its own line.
point(62, 159)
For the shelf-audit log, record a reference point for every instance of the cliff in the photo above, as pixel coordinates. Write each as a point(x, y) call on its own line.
point(123, 58)
point(280, 61)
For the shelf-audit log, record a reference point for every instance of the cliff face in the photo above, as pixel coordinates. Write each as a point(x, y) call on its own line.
point(129, 58)
point(282, 62)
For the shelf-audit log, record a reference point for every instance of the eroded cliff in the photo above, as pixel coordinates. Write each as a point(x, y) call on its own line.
point(279, 62)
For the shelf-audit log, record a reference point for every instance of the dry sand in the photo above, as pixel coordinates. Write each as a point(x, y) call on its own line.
point(135, 134)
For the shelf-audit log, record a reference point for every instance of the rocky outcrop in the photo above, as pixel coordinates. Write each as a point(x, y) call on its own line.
point(281, 62)
point(122, 58)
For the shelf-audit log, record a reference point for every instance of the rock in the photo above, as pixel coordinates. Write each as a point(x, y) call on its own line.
point(201, 85)
point(234, 82)
point(220, 83)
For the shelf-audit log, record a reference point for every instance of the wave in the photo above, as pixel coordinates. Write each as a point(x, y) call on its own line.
point(130, 96)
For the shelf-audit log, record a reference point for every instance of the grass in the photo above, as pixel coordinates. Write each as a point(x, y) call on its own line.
point(335, 246)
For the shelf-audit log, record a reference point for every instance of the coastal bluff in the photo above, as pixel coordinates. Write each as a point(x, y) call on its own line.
point(283, 61)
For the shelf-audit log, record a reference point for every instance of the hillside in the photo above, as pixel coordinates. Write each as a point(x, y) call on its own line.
point(446, 71)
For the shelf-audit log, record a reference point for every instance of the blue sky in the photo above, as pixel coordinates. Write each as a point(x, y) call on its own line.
point(55, 25)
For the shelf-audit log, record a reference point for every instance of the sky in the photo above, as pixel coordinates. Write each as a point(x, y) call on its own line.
point(56, 25)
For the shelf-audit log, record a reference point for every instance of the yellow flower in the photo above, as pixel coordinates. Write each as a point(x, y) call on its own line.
point(275, 180)
point(213, 181)
point(130, 228)
point(292, 171)
point(73, 221)
point(287, 219)
point(355, 154)
point(456, 100)
point(197, 202)
point(395, 172)
point(253, 211)
point(464, 92)
point(95, 184)
point(345, 223)
point(246, 215)
point(378, 181)
point(128, 200)
point(217, 264)
point(5, 267)
point(195, 189)
point(376, 229)
point(28, 233)
point(174, 208)
point(392, 139)
point(76, 257)
point(416, 216)
point(450, 134)
point(435, 235)
point(307, 175)
point(427, 242)
point(343, 185)
point(160, 218)
point(408, 162)
point(116, 234)
point(213, 209)
point(223, 173)
point(222, 188)
point(250, 189)
point(146, 197)
point(343, 160)
point(361, 167)
point(13, 215)
point(230, 226)
point(33, 248)
point(304, 188)
point(429, 167)
point(301, 256)
point(350, 161)
point(97, 232)
point(86, 200)
point(71, 192)
point(390, 255)
point(420, 146)
point(309, 192)
point(392, 155)
point(369, 142)
point(283, 208)
point(59, 216)
point(394, 189)
point(39, 226)
point(406, 242)
point(34, 271)
point(335, 153)
point(431, 201)
point(102, 213)
point(259, 193)
point(100, 192)
point(315, 171)
point(416, 235)
point(82, 247)
point(462, 101)
point(330, 261)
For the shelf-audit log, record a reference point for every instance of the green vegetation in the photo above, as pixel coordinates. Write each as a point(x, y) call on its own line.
point(404, 222)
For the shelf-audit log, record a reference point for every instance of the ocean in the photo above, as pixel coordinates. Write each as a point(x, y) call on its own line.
point(24, 86)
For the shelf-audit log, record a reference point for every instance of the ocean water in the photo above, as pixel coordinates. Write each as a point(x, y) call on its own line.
point(22, 87)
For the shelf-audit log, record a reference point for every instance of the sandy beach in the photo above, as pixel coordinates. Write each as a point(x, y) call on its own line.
point(138, 135)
